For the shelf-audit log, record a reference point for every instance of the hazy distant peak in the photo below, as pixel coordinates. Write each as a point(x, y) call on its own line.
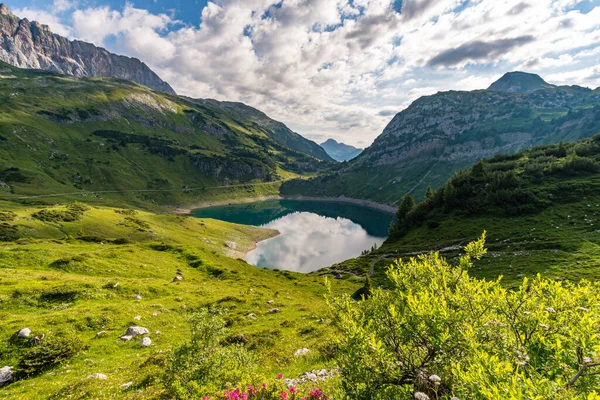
point(340, 151)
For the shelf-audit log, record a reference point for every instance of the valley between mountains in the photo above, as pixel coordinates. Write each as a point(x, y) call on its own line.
point(467, 268)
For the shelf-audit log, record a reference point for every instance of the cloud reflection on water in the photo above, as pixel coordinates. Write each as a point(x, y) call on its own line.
point(309, 241)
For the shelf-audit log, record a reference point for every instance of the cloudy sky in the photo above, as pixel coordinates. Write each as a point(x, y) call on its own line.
point(336, 68)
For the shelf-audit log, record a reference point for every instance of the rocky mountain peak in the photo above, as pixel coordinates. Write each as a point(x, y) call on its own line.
point(519, 82)
point(4, 10)
point(32, 45)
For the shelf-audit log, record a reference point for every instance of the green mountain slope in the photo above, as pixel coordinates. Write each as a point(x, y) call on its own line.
point(519, 82)
point(440, 134)
point(62, 134)
point(541, 208)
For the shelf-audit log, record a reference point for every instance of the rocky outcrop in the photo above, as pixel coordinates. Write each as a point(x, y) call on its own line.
point(32, 45)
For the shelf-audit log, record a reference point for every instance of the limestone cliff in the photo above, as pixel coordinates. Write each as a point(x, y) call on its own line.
point(32, 45)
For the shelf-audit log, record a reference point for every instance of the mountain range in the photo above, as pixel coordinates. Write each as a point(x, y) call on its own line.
point(340, 151)
point(32, 45)
point(440, 134)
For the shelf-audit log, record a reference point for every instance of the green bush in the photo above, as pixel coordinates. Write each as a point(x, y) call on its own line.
point(8, 232)
point(7, 216)
point(443, 333)
point(49, 353)
point(204, 364)
point(73, 212)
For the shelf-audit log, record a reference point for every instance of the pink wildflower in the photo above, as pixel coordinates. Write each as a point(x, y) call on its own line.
point(293, 390)
point(279, 376)
point(284, 395)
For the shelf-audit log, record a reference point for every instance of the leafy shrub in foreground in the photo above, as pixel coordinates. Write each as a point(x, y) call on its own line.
point(203, 365)
point(439, 333)
point(49, 353)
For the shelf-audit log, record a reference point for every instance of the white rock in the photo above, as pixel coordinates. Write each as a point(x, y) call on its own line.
point(146, 341)
point(273, 310)
point(311, 377)
point(231, 245)
point(134, 331)
point(138, 297)
point(270, 301)
point(154, 314)
point(6, 375)
point(301, 352)
point(126, 338)
point(127, 385)
point(251, 316)
point(97, 375)
point(24, 333)
point(137, 318)
point(101, 333)
point(177, 278)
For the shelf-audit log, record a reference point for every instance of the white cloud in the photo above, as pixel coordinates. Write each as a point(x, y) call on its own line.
point(63, 5)
point(328, 68)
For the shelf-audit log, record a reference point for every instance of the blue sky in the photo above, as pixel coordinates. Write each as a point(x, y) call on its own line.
point(336, 68)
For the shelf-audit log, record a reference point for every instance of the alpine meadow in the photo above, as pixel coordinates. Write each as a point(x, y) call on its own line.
point(171, 228)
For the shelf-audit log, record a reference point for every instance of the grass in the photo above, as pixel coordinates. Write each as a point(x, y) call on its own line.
point(75, 279)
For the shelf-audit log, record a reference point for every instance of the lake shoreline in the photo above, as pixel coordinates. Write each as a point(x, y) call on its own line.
point(247, 200)
point(241, 254)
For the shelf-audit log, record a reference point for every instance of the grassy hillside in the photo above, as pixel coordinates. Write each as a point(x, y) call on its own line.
point(74, 272)
point(440, 134)
point(62, 134)
point(541, 209)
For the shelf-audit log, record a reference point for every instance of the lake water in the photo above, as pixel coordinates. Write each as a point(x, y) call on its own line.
point(313, 234)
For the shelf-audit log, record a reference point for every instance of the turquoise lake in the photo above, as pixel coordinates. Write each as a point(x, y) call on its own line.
point(313, 234)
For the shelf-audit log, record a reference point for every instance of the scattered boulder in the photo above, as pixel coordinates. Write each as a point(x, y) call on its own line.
point(273, 310)
point(126, 385)
point(231, 245)
point(177, 278)
point(251, 316)
point(24, 333)
point(6, 375)
point(338, 276)
point(138, 297)
point(146, 341)
point(301, 352)
point(137, 318)
point(101, 334)
point(134, 331)
point(38, 339)
point(126, 338)
point(99, 376)
point(270, 301)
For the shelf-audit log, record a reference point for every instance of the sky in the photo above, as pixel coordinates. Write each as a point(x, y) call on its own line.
point(336, 69)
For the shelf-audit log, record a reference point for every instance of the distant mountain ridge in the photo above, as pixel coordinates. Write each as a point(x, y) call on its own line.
point(340, 151)
point(519, 82)
point(32, 45)
point(440, 134)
